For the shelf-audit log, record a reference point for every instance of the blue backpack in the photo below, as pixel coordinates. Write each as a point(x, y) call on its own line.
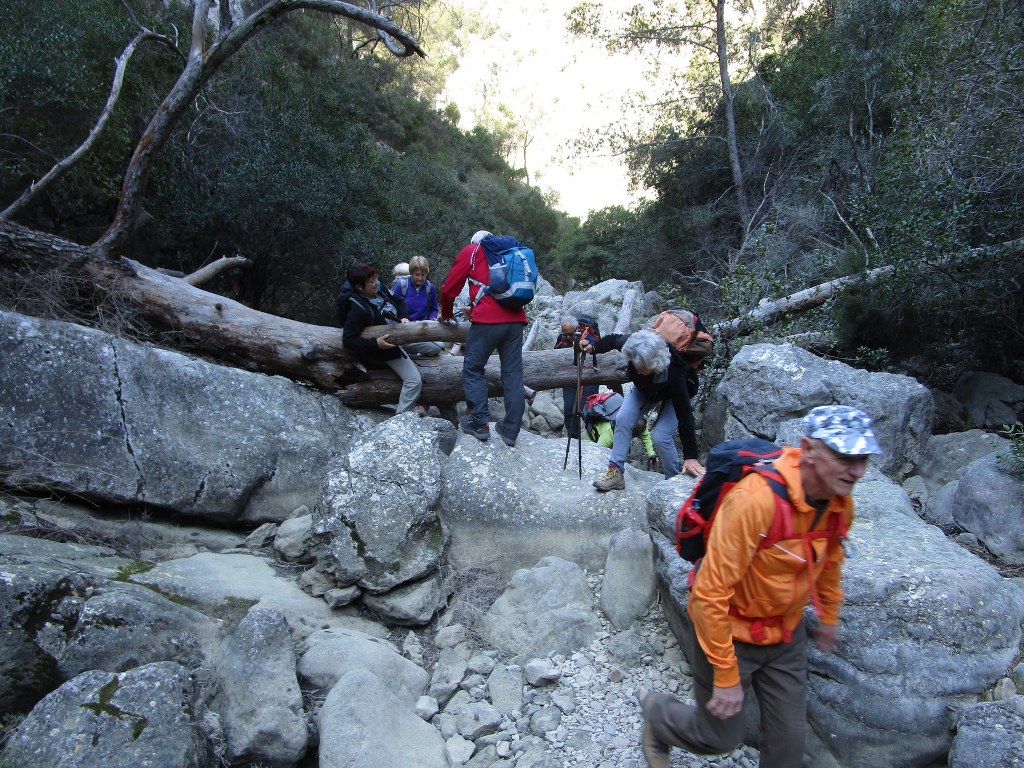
point(512, 271)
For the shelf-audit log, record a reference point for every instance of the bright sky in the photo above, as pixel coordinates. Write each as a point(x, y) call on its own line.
point(562, 84)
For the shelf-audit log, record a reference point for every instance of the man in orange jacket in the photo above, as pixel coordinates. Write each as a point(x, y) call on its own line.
point(747, 603)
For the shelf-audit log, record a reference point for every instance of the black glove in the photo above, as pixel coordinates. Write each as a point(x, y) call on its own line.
point(652, 463)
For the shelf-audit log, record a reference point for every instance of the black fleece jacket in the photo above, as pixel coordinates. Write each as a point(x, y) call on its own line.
point(677, 385)
point(359, 313)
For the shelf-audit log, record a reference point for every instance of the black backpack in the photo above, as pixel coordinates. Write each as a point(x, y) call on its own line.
point(342, 303)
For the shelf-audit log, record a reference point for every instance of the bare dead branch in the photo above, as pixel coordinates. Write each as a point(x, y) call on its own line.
point(201, 65)
point(62, 166)
point(210, 271)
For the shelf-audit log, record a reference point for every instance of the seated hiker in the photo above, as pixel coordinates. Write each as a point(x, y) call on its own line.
point(659, 377)
point(364, 302)
point(570, 326)
point(420, 297)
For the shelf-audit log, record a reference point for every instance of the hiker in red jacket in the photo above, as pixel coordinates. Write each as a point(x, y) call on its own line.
point(747, 603)
point(492, 327)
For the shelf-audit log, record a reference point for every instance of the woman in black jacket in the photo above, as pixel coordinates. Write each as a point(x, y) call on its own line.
point(659, 377)
point(363, 302)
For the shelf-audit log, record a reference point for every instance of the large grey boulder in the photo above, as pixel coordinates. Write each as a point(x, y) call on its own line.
point(509, 507)
point(945, 457)
point(942, 461)
point(990, 504)
point(990, 735)
point(769, 385)
point(364, 725)
point(121, 626)
point(256, 692)
point(145, 716)
point(546, 609)
point(110, 419)
point(628, 589)
point(376, 523)
point(926, 628)
point(604, 301)
point(990, 400)
point(331, 653)
point(43, 586)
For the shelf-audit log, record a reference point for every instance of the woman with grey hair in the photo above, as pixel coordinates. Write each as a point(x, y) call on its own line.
point(659, 377)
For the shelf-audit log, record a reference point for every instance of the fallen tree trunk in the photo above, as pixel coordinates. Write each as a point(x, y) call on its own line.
point(801, 301)
point(809, 298)
point(442, 377)
point(233, 333)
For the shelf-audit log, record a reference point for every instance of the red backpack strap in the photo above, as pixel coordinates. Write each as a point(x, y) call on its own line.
point(782, 524)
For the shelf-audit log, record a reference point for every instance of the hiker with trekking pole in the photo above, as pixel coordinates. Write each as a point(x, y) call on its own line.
point(662, 363)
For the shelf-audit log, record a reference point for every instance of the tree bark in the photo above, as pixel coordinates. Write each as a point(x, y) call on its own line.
point(232, 333)
point(201, 64)
point(795, 303)
point(210, 271)
point(728, 101)
point(442, 377)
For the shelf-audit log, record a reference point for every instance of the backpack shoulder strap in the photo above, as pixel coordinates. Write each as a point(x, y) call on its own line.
point(404, 284)
point(782, 524)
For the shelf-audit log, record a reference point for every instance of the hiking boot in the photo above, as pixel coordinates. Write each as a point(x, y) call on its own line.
point(612, 480)
point(506, 440)
point(480, 433)
point(655, 753)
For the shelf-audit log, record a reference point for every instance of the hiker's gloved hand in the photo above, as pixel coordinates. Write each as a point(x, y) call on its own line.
point(653, 463)
point(450, 320)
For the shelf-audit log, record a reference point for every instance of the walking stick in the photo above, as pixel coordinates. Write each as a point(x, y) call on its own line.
point(576, 415)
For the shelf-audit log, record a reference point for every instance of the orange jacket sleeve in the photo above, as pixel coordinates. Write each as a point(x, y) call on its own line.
point(745, 513)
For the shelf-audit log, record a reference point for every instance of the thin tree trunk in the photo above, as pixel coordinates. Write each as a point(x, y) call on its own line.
point(795, 303)
point(728, 100)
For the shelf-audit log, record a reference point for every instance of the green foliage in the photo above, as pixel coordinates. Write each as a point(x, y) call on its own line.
point(871, 135)
point(55, 76)
point(609, 244)
point(304, 153)
point(133, 568)
point(1012, 461)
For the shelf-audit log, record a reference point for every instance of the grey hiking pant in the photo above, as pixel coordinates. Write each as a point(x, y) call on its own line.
point(412, 384)
point(483, 339)
point(777, 675)
point(663, 432)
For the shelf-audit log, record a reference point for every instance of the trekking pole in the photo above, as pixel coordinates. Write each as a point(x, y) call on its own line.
point(575, 409)
point(577, 416)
